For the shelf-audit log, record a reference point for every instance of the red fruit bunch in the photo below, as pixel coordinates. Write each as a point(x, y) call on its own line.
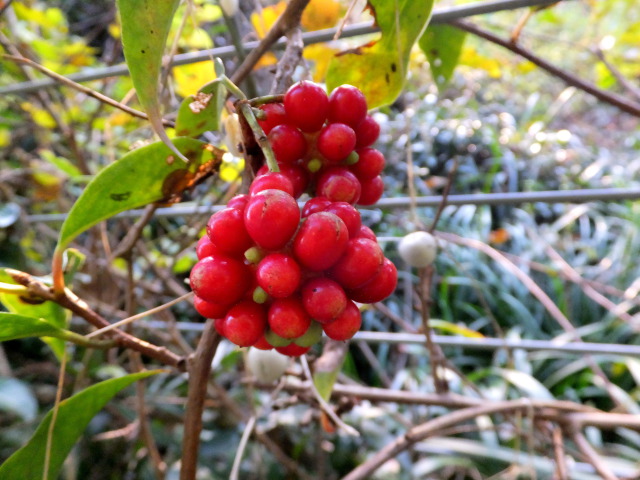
point(323, 143)
point(273, 275)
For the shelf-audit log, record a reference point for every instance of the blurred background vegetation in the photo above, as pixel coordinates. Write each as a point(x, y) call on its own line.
point(504, 124)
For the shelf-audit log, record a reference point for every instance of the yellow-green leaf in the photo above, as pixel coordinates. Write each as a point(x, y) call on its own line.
point(379, 68)
point(145, 26)
point(442, 44)
point(201, 112)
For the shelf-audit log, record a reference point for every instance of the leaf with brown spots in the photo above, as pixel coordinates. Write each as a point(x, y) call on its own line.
point(201, 112)
point(146, 175)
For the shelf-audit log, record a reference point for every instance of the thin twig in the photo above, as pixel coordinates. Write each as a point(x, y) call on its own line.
point(133, 318)
point(130, 239)
point(559, 454)
point(54, 416)
point(199, 370)
point(81, 88)
point(235, 469)
point(592, 456)
point(326, 408)
point(623, 103)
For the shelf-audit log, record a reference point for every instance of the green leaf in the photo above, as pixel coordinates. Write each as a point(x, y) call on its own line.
point(73, 417)
point(145, 28)
point(328, 366)
point(442, 44)
point(55, 315)
point(14, 326)
point(379, 68)
point(201, 112)
point(148, 174)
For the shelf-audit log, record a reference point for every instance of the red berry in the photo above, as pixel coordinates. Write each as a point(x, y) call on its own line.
point(306, 105)
point(220, 279)
point(335, 142)
point(297, 175)
point(288, 143)
point(361, 260)
point(279, 275)
point(346, 325)
point(288, 318)
point(293, 350)
point(379, 287)
point(349, 215)
point(239, 202)
point(347, 104)
point(271, 218)
point(273, 180)
point(339, 185)
point(227, 231)
point(274, 116)
point(369, 165)
point(245, 323)
point(205, 248)
point(366, 232)
point(320, 241)
point(210, 309)
point(367, 132)
point(219, 324)
point(372, 191)
point(262, 344)
point(315, 204)
point(323, 299)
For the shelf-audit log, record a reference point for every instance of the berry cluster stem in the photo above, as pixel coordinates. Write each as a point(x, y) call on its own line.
point(247, 112)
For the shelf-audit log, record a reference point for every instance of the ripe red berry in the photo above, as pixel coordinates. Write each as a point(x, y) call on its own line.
point(347, 104)
point(349, 215)
point(288, 318)
point(274, 116)
point(297, 175)
point(205, 248)
point(369, 165)
point(262, 344)
point(372, 191)
point(306, 105)
point(367, 132)
point(220, 279)
point(323, 299)
point(274, 180)
point(360, 261)
point(288, 143)
point(366, 232)
point(279, 275)
point(339, 185)
point(227, 231)
point(210, 309)
point(346, 325)
point(379, 287)
point(219, 324)
point(293, 350)
point(238, 202)
point(320, 241)
point(245, 323)
point(271, 218)
point(315, 204)
point(335, 142)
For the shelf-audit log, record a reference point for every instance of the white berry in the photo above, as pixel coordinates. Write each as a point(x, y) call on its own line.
point(266, 365)
point(418, 249)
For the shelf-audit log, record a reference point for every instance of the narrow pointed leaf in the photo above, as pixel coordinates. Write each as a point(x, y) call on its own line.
point(442, 44)
point(145, 28)
point(146, 175)
point(73, 417)
point(379, 68)
point(201, 112)
point(55, 315)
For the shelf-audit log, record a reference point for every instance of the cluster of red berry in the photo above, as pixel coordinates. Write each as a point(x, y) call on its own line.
point(274, 275)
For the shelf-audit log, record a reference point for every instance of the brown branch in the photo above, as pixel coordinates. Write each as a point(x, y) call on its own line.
point(592, 456)
point(128, 242)
point(559, 454)
point(70, 301)
point(624, 81)
point(289, 19)
point(81, 88)
point(199, 370)
point(623, 103)
point(288, 61)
